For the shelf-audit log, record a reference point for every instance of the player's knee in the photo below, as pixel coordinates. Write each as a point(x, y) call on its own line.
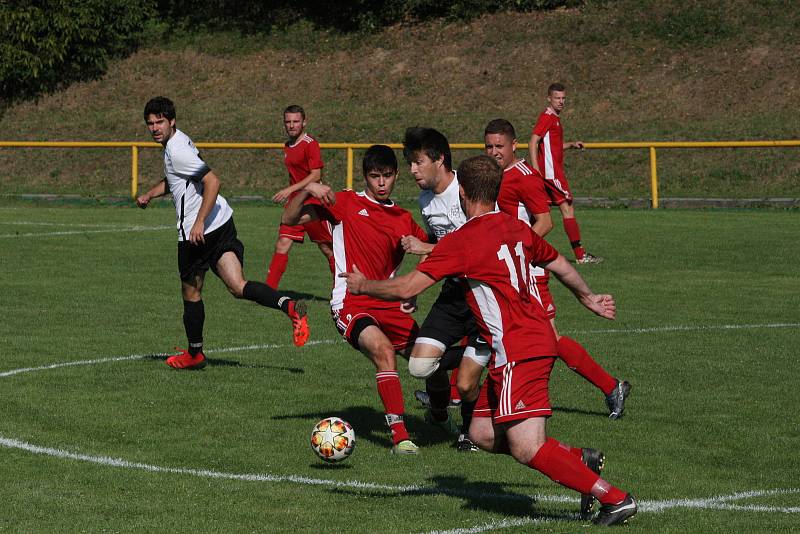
point(422, 367)
point(467, 389)
point(482, 435)
point(237, 290)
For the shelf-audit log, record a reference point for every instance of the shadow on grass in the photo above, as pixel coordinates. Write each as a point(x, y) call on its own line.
point(370, 425)
point(493, 497)
point(579, 411)
point(219, 362)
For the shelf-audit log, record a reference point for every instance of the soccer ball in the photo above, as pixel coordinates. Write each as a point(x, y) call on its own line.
point(333, 439)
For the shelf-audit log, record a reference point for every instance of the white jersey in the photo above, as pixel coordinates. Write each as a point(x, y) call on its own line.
point(184, 170)
point(442, 212)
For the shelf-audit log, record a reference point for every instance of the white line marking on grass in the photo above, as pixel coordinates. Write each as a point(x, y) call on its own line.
point(74, 232)
point(681, 328)
point(155, 354)
point(68, 224)
point(265, 477)
point(720, 502)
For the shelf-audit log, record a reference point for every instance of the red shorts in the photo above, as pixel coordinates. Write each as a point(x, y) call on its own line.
point(558, 191)
point(517, 390)
point(541, 291)
point(318, 231)
point(398, 326)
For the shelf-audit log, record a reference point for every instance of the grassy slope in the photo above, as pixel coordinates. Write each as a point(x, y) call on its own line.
point(635, 71)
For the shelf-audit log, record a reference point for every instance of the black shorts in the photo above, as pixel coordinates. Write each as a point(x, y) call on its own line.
point(197, 259)
point(449, 319)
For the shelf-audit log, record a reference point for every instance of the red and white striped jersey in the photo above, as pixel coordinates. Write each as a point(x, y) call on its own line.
point(366, 234)
point(302, 157)
point(551, 148)
point(491, 254)
point(522, 192)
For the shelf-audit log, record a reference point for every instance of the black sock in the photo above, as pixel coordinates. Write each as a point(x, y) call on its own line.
point(451, 358)
point(467, 407)
point(264, 295)
point(194, 315)
point(438, 387)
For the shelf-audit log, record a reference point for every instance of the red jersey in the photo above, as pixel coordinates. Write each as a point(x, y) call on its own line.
point(522, 192)
point(551, 146)
point(491, 253)
point(301, 158)
point(366, 234)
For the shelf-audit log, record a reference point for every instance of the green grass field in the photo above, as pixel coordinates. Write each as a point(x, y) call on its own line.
point(97, 434)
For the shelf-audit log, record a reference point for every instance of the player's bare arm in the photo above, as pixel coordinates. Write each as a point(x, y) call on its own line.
point(158, 190)
point(533, 149)
point(573, 144)
point(602, 305)
point(543, 223)
point(413, 245)
point(398, 288)
point(283, 195)
point(210, 191)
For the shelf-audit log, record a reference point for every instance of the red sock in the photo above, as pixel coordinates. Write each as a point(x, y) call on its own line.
point(577, 359)
point(391, 394)
point(276, 269)
point(574, 235)
point(453, 388)
point(557, 462)
point(332, 264)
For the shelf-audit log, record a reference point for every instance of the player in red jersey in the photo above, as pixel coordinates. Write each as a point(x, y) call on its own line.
point(367, 230)
point(491, 254)
point(304, 163)
point(547, 156)
point(523, 195)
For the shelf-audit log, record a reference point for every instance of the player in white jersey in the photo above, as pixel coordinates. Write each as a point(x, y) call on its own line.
point(449, 320)
point(206, 235)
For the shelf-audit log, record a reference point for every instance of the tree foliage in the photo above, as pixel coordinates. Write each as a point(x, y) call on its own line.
point(48, 44)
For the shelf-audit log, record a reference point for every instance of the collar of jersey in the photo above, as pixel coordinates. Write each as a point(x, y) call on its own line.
point(365, 195)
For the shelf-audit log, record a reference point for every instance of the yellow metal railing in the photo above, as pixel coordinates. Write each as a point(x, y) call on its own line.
point(134, 147)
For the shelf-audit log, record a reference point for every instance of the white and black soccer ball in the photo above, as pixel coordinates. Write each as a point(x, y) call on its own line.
point(333, 439)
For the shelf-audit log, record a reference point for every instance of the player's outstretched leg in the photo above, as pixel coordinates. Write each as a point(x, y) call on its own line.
point(579, 360)
point(296, 310)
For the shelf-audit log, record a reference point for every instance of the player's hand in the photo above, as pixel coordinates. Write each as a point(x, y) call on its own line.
point(322, 192)
point(143, 200)
point(197, 234)
point(409, 306)
point(577, 144)
point(355, 281)
point(602, 305)
point(282, 196)
point(412, 245)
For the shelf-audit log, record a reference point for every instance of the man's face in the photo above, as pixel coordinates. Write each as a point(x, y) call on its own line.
point(425, 170)
point(160, 127)
point(380, 183)
point(294, 123)
point(501, 147)
point(557, 99)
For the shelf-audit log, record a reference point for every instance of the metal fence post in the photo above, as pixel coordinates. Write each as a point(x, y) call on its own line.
point(349, 180)
point(134, 170)
point(653, 178)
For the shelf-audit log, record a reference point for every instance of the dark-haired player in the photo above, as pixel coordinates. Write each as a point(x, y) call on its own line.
point(303, 160)
point(547, 147)
point(206, 235)
point(491, 254)
point(367, 229)
point(449, 320)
